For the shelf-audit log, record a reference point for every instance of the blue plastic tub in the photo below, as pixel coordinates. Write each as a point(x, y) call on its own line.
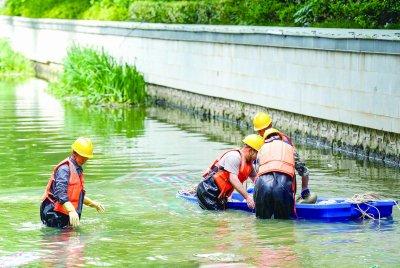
point(340, 210)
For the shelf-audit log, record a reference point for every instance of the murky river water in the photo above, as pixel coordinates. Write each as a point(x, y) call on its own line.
point(142, 158)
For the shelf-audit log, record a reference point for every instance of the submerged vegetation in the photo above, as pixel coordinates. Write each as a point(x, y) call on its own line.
point(13, 66)
point(99, 78)
point(320, 13)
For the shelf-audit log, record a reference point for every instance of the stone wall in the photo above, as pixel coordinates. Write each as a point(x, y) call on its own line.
point(353, 140)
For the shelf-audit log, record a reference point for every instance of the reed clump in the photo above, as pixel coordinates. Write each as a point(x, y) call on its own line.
point(13, 65)
point(99, 79)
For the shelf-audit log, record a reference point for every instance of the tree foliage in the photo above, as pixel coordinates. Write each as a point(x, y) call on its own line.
point(323, 13)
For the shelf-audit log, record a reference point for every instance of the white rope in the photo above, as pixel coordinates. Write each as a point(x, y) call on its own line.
point(364, 213)
point(363, 198)
point(358, 199)
point(397, 204)
point(189, 191)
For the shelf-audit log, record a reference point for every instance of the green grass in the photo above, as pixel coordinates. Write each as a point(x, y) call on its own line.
point(99, 79)
point(13, 66)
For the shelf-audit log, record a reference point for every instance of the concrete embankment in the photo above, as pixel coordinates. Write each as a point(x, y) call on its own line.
point(340, 87)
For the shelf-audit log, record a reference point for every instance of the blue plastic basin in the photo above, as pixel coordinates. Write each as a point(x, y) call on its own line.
point(341, 210)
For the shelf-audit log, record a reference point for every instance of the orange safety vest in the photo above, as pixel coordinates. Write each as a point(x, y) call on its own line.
point(221, 176)
point(75, 187)
point(277, 155)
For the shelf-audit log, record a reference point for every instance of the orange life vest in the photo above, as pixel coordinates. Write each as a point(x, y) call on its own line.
point(277, 155)
point(75, 187)
point(221, 176)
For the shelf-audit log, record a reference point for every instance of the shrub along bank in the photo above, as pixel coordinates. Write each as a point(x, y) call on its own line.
point(320, 13)
point(13, 66)
point(99, 78)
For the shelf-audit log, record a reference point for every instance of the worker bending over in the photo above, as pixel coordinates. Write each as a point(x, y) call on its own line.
point(227, 173)
point(278, 149)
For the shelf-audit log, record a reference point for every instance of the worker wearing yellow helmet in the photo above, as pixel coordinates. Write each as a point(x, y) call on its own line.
point(261, 122)
point(227, 173)
point(283, 151)
point(64, 196)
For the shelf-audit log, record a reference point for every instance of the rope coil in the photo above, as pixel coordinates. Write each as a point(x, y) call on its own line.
point(358, 199)
point(363, 198)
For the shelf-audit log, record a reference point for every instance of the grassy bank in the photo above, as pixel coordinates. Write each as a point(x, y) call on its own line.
point(99, 78)
point(13, 66)
point(320, 13)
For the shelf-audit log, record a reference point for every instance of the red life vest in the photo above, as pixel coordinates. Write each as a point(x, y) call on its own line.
point(221, 176)
point(277, 155)
point(75, 187)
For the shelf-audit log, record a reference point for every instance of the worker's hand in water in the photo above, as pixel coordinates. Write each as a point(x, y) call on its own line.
point(250, 202)
point(305, 193)
point(89, 202)
point(73, 218)
point(99, 207)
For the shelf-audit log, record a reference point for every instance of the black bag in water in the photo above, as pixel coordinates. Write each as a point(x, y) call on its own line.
point(207, 195)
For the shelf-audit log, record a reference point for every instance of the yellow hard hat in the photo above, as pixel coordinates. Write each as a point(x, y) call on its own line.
point(254, 141)
point(83, 147)
point(269, 132)
point(261, 120)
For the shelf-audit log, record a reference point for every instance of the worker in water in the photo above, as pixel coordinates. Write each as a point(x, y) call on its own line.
point(227, 173)
point(275, 187)
point(64, 196)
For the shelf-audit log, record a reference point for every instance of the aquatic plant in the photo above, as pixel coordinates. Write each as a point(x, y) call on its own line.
point(99, 78)
point(13, 65)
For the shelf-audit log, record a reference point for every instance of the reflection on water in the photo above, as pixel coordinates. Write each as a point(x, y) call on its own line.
point(142, 158)
point(62, 248)
point(105, 122)
point(35, 105)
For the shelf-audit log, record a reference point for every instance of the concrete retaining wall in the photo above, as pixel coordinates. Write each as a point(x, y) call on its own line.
point(341, 85)
point(353, 140)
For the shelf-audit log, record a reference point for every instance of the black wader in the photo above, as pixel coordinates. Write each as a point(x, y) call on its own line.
point(274, 196)
point(52, 218)
point(207, 195)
